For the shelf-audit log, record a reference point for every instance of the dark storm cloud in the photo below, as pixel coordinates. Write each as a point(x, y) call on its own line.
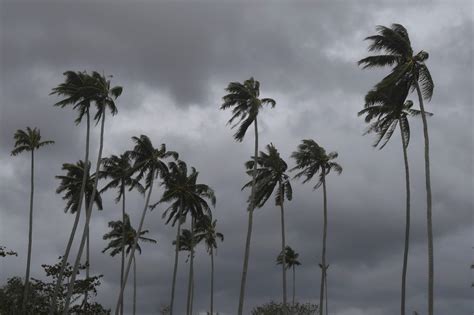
point(174, 59)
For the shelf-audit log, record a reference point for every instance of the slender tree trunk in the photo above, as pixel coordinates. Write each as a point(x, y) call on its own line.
point(326, 290)
point(249, 226)
point(124, 236)
point(30, 236)
point(134, 286)
point(407, 221)
point(294, 285)
point(428, 204)
point(176, 257)
point(88, 218)
point(87, 264)
point(59, 282)
point(132, 253)
point(325, 228)
point(191, 266)
point(212, 281)
point(283, 245)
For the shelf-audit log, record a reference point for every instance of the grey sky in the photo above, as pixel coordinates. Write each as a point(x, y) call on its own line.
point(174, 60)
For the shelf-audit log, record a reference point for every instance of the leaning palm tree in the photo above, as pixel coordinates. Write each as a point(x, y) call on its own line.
point(385, 110)
point(244, 99)
point(148, 163)
point(311, 159)
point(78, 94)
point(206, 231)
point(121, 236)
point(103, 96)
point(29, 141)
point(395, 47)
point(184, 195)
point(289, 260)
point(271, 174)
point(119, 170)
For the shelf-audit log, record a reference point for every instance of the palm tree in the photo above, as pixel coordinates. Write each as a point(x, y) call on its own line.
point(206, 230)
point(103, 96)
point(29, 140)
point(77, 93)
point(184, 195)
point(289, 260)
point(270, 174)
point(119, 170)
point(123, 235)
point(148, 164)
point(385, 110)
point(244, 99)
point(395, 47)
point(312, 159)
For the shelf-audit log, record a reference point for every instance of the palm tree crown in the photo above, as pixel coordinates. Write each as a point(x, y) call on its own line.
point(28, 140)
point(182, 189)
point(245, 101)
point(71, 183)
point(206, 231)
point(116, 237)
point(270, 173)
point(312, 159)
point(291, 258)
point(394, 43)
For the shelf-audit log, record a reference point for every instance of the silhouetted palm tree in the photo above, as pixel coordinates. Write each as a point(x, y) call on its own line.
point(408, 69)
point(148, 163)
point(119, 230)
point(385, 110)
point(103, 96)
point(289, 260)
point(244, 99)
point(78, 94)
point(119, 170)
point(29, 141)
point(311, 159)
point(206, 231)
point(270, 174)
point(184, 195)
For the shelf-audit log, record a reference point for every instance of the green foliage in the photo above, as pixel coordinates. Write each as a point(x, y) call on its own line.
point(291, 258)
point(273, 308)
point(4, 252)
point(41, 293)
point(28, 140)
point(206, 231)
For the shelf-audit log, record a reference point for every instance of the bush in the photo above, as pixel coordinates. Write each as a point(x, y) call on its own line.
point(274, 308)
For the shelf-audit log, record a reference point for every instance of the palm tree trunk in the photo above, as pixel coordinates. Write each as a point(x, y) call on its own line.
point(294, 285)
point(134, 286)
point(407, 222)
point(53, 305)
point(88, 218)
point(30, 236)
point(428, 203)
point(123, 244)
point(249, 226)
point(325, 227)
point(191, 263)
point(132, 254)
point(87, 264)
point(176, 257)
point(212, 281)
point(283, 245)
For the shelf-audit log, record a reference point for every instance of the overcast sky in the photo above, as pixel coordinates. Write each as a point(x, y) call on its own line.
point(174, 60)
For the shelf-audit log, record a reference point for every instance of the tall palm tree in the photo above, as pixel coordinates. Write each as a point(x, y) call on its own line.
point(385, 110)
point(244, 99)
point(29, 141)
point(289, 260)
point(103, 96)
point(77, 93)
point(311, 159)
point(121, 236)
point(395, 49)
point(206, 231)
point(184, 195)
point(271, 174)
point(119, 170)
point(148, 163)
